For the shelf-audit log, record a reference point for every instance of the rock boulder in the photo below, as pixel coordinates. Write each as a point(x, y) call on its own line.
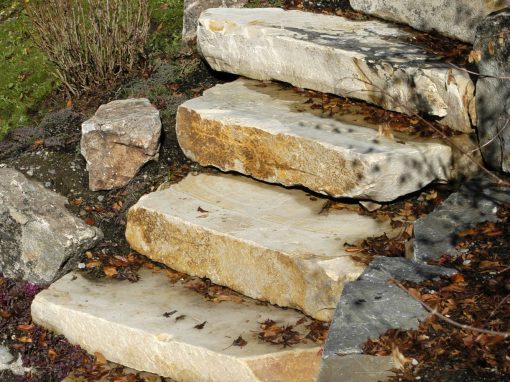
point(39, 239)
point(118, 140)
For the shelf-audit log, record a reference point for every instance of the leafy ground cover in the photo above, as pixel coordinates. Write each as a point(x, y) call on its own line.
point(435, 352)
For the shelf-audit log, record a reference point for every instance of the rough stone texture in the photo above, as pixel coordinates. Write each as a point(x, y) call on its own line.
point(369, 60)
point(367, 309)
point(356, 368)
point(493, 92)
point(476, 201)
point(454, 18)
point(118, 140)
point(264, 241)
point(264, 131)
point(385, 268)
point(39, 239)
point(193, 9)
point(125, 322)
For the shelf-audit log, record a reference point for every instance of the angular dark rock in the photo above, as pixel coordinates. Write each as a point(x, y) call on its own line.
point(493, 89)
point(475, 202)
point(39, 239)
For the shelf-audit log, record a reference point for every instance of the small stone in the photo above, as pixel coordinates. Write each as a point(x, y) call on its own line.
point(100, 198)
point(118, 140)
point(47, 184)
point(39, 239)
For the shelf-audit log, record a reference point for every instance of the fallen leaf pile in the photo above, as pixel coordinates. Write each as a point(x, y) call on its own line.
point(478, 296)
point(213, 292)
point(288, 335)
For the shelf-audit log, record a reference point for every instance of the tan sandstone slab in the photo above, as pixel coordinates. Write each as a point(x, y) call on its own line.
point(269, 132)
point(126, 322)
point(370, 60)
point(264, 241)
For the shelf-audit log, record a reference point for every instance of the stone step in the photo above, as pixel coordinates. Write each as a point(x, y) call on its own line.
point(272, 133)
point(263, 241)
point(370, 60)
point(158, 326)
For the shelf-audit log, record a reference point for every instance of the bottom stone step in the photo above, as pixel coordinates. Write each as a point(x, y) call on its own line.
point(158, 326)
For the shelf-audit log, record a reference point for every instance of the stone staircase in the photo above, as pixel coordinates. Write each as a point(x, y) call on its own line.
point(264, 241)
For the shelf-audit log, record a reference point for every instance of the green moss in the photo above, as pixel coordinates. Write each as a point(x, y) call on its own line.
point(25, 74)
point(166, 27)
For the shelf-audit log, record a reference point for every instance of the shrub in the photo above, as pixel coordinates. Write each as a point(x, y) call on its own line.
point(91, 42)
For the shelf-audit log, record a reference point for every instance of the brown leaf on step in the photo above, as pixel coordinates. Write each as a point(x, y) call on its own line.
point(200, 209)
point(99, 359)
point(474, 56)
point(200, 326)
point(239, 341)
point(181, 317)
point(227, 297)
point(490, 48)
point(413, 292)
point(110, 271)
point(25, 328)
point(52, 354)
point(89, 221)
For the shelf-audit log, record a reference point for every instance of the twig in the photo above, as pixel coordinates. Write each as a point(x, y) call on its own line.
point(449, 320)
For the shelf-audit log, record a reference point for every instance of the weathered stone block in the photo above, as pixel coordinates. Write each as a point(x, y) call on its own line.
point(264, 241)
point(454, 18)
point(264, 131)
point(370, 60)
point(126, 322)
point(118, 140)
point(493, 89)
point(193, 9)
point(39, 239)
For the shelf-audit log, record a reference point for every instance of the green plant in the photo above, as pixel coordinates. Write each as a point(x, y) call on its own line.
point(166, 27)
point(90, 42)
point(24, 79)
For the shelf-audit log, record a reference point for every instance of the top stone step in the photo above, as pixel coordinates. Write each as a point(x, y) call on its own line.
point(453, 18)
point(369, 60)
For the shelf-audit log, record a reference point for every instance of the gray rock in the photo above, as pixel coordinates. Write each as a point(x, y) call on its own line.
point(355, 368)
point(193, 9)
point(454, 18)
point(476, 201)
point(385, 268)
point(118, 140)
point(367, 309)
point(39, 239)
point(493, 92)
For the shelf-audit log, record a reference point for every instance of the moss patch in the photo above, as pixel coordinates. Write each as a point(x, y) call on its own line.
point(25, 78)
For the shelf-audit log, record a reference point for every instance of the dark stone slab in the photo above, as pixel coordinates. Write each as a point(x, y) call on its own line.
point(476, 202)
point(493, 92)
point(367, 309)
point(386, 268)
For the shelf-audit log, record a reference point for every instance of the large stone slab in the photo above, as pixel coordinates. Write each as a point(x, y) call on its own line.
point(264, 241)
point(493, 89)
point(39, 239)
point(118, 140)
point(193, 9)
point(476, 201)
point(454, 18)
point(152, 325)
point(371, 60)
point(266, 132)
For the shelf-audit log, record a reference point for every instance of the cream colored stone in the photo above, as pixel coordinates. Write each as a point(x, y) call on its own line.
point(267, 132)
point(125, 322)
point(371, 60)
point(454, 18)
point(264, 241)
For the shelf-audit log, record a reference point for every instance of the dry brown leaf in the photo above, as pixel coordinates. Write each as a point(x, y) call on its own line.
point(110, 271)
point(100, 359)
